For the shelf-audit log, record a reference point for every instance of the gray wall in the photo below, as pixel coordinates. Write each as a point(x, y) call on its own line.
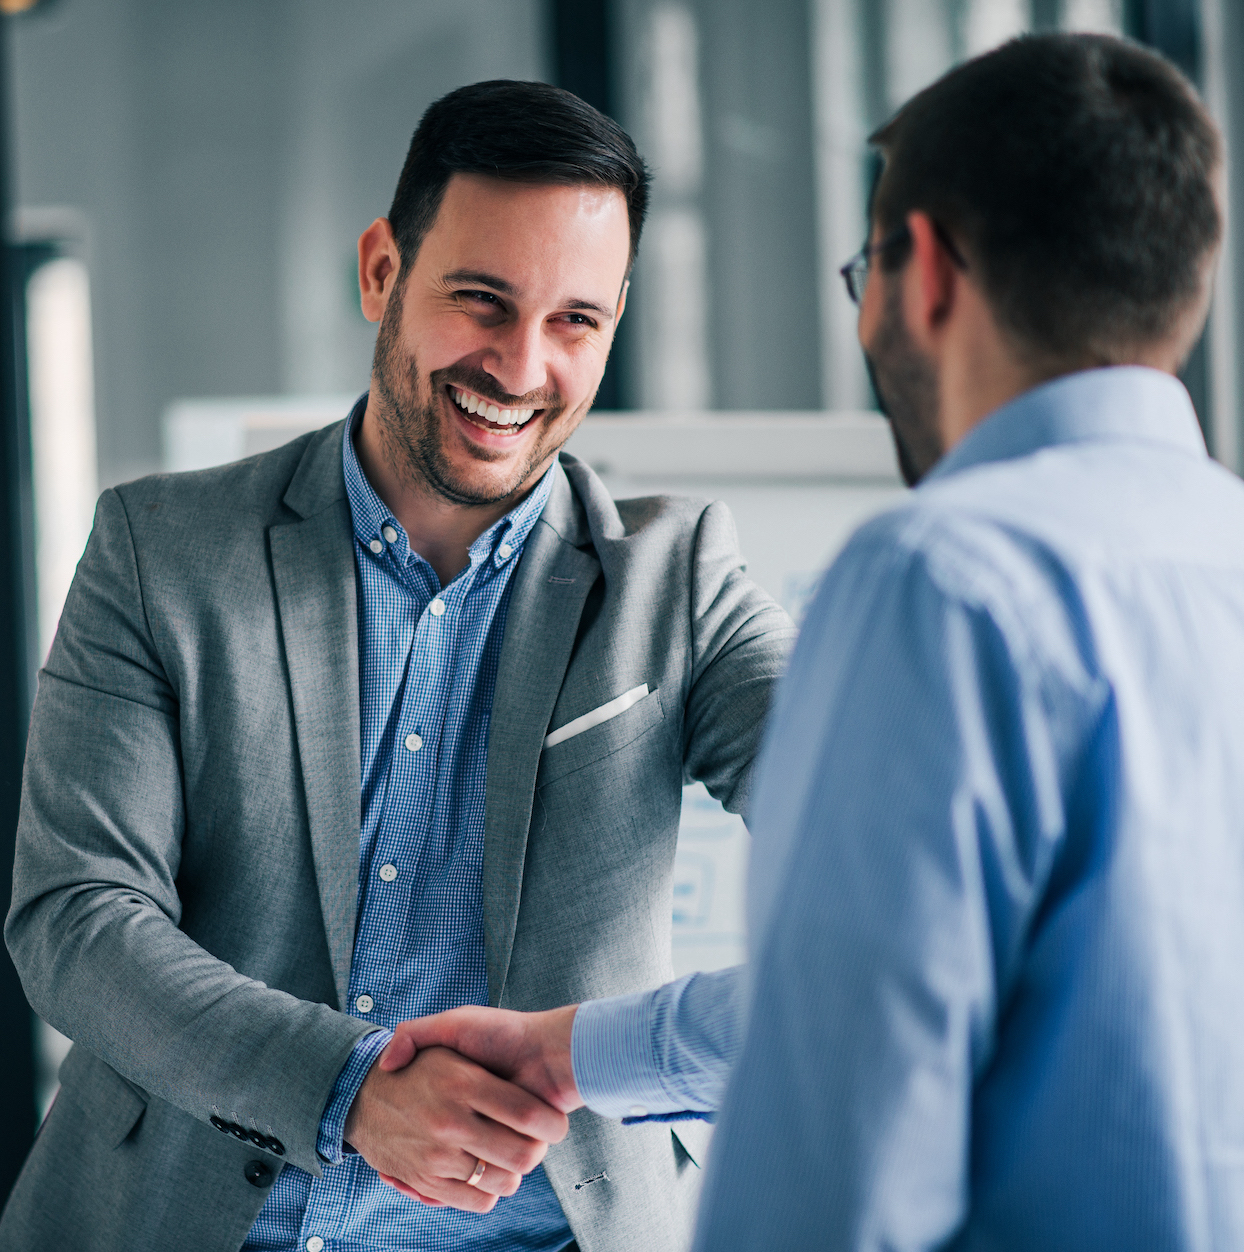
point(741, 190)
point(225, 158)
point(760, 205)
point(1224, 49)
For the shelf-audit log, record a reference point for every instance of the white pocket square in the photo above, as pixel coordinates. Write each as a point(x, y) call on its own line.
point(596, 716)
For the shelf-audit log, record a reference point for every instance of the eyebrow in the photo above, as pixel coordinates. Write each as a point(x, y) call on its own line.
point(508, 289)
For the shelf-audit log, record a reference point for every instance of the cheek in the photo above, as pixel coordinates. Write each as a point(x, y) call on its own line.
point(440, 342)
point(870, 305)
point(580, 370)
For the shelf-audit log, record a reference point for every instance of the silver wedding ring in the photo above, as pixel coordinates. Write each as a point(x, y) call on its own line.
point(477, 1174)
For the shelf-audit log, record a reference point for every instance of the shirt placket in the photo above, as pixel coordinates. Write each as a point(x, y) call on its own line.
point(404, 852)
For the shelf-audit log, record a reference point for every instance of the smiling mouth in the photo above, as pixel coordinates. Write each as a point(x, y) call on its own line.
point(487, 415)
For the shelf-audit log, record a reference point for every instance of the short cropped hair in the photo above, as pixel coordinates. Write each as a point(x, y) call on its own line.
point(525, 132)
point(1077, 173)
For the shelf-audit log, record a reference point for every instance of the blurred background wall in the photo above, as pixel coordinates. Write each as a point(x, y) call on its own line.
point(187, 183)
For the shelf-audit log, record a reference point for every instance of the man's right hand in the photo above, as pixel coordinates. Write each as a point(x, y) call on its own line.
point(423, 1128)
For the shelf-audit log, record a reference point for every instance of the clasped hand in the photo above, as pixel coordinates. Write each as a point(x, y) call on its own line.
point(473, 1084)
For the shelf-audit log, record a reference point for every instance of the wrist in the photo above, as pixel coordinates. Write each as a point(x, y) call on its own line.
point(340, 1117)
point(556, 1032)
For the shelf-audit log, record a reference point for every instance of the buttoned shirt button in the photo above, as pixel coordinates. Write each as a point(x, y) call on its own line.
point(314, 1244)
point(505, 552)
point(389, 533)
point(376, 546)
point(388, 872)
point(637, 1110)
point(437, 607)
point(413, 743)
point(364, 1003)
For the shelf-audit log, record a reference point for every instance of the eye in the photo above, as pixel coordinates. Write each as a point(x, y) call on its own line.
point(579, 319)
point(481, 297)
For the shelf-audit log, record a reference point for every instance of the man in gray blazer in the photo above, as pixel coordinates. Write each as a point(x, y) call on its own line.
point(393, 718)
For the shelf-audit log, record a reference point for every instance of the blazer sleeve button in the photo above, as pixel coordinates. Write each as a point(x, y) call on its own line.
point(275, 1146)
point(258, 1173)
point(219, 1123)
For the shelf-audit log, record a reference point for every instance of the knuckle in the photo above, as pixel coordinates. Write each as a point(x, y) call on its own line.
point(441, 1125)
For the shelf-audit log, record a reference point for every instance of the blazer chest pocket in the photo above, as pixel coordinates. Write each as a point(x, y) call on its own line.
point(601, 740)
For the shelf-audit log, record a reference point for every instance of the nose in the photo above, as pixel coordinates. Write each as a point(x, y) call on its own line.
point(517, 358)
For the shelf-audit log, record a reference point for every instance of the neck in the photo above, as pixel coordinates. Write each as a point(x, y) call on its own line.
point(981, 369)
point(439, 530)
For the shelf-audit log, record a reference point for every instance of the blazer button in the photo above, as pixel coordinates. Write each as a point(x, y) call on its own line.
point(258, 1173)
point(275, 1145)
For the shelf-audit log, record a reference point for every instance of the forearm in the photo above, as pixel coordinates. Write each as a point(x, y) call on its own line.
point(663, 1051)
point(93, 933)
point(125, 983)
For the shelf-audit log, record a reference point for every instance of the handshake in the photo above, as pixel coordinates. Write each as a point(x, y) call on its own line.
point(462, 1104)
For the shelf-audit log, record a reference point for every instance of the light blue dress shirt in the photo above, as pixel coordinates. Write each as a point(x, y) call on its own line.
point(427, 671)
point(997, 890)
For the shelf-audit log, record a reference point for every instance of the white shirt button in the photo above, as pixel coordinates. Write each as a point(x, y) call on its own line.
point(364, 1004)
point(315, 1244)
point(389, 533)
point(413, 743)
point(377, 547)
point(505, 552)
point(437, 607)
point(388, 872)
point(637, 1110)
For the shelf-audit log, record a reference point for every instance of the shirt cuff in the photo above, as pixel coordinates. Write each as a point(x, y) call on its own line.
point(328, 1146)
point(661, 1052)
point(612, 1054)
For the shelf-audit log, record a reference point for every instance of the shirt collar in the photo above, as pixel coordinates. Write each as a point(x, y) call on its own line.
point(1122, 402)
point(503, 540)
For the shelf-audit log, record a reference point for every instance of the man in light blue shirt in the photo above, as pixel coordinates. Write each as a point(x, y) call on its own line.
point(997, 892)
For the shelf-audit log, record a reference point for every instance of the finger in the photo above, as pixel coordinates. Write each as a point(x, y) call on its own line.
point(398, 1052)
point(489, 1141)
point(522, 1112)
point(398, 1185)
point(494, 1179)
point(459, 1196)
point(436, 1030)
point(449, 1192)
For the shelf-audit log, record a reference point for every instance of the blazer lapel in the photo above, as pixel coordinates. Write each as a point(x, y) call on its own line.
point(313, 568)
point(546, 601)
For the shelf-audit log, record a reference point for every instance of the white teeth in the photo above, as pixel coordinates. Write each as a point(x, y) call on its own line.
point(498, 416)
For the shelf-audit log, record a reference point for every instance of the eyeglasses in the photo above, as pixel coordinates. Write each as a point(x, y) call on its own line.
point(855, 271)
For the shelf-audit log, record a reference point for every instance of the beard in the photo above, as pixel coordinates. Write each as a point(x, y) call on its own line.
point(905, 383)
point(411, 423)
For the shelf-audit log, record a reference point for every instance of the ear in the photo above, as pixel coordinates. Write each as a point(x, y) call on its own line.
point(379, 267)
point(932, 280)
point(617, 316)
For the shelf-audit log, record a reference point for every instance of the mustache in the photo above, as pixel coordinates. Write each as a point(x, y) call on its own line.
point(483, 384)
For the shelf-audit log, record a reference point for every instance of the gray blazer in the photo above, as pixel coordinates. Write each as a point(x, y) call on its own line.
point(187, 865)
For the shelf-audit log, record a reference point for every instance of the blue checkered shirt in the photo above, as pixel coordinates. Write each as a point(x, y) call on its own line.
point(427, 671)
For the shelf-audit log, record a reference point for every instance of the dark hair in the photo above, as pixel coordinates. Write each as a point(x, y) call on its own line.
point(527, 132)
point(1076, 171)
